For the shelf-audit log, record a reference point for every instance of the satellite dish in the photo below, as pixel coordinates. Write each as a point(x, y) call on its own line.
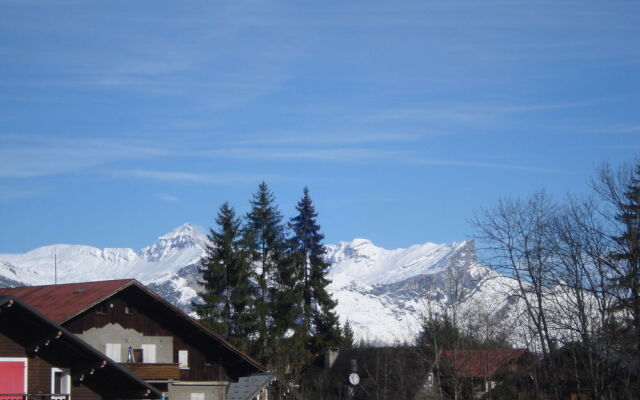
point(354, 379)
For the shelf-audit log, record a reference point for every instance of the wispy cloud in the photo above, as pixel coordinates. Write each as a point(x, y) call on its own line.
point(362, 155)
point(9, 193)
point(618, 129)
point(306, 138)
point(221, 178)
point(523, 108)
point(475, 164)
point(205, 56)
point(31, 156)
point(167, 197)
point(336, 154)
point(460, 114)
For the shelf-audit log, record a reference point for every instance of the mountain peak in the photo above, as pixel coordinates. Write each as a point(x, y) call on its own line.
point(357, 242)
point(184, 236)
point(186, 229)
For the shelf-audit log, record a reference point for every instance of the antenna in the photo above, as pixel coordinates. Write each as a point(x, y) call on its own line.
point(55, 266)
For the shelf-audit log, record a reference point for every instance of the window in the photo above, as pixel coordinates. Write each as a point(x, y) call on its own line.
point(134, 355)
point(101, 308)
point(148, 353)
point(127, 309)
point(13, 374)
point(183, 359)
point(197, 396)
point(60, 382)
point(429, 383)
point(113, 351)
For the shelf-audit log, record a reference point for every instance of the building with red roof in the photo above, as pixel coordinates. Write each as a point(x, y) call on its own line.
point(481, 369)
point(39, 358)
point(145, 334)
point(482, 363)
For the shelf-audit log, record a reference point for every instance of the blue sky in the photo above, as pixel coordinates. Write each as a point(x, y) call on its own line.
point(121, 120)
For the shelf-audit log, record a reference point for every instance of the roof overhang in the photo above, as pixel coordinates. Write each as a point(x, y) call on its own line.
point(42, 337)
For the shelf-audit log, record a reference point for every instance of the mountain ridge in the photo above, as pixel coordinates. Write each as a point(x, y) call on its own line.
point(382, 292)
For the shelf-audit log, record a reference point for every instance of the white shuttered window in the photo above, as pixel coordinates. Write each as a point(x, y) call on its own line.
point(148, 353)
point(183, 359)
point(113, 351)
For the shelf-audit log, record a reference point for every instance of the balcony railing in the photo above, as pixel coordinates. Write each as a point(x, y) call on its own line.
point(34, 396)
point(153, 371)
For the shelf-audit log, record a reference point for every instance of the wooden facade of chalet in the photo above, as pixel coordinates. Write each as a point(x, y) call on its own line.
point(39, 358)
point(204, 362)
point(144, 334)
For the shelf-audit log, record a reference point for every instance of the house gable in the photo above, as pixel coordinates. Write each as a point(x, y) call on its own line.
point(111, 306)
point(149, 323)
point(47, 348)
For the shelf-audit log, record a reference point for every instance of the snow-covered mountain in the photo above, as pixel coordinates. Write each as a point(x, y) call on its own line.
point(167, 266)
point(383, 293)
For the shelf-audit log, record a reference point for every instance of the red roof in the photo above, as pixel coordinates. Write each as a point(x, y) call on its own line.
point(479, 363)
point(62, 302)
point(33, 327)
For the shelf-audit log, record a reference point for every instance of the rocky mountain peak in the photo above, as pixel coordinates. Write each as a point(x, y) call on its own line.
point(184, 236)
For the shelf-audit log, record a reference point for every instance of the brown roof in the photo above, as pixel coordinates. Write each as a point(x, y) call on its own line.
point(59, 303)
point(479, 363)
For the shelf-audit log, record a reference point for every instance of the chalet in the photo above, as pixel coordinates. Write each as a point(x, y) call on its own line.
point(481, 370)
point(40, 359)
point(145, 334)
point(382, 372)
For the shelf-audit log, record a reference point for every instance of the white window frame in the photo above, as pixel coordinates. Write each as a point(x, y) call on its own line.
point(66, 378)
point(183, 359)
point(116, 351)
point(197, 396)
point(429, 383)
point(26, 368)
point(149, 353)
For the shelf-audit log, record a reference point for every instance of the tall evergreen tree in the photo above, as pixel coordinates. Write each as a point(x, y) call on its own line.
point(226, 293)
point(628, 254)
point(264, 238)
point(348, 340)
point(319, 319)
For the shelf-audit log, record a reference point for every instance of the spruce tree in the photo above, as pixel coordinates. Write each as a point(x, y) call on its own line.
point(226, 292)
point(628, 254)
point(319, 320)
point(347, 336)
point(265, 242)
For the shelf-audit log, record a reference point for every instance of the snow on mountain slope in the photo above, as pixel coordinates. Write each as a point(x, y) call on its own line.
point(385, 293)
point(173, 251)
point(360, 260)
point(382, 293)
